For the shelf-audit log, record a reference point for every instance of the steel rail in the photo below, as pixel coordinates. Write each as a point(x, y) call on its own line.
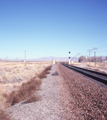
point(84, 71)
point(93, 71)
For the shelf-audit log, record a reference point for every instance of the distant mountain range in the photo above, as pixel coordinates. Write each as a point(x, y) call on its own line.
point(51, 58)
point(42, 59)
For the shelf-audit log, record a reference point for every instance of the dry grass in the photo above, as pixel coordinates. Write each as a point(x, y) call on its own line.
point(98, 65)
point(76, 63)
point(14, 74)
point(4, 115)
point(44, 73)
point(2, 99)
point(101, 65)
point(33, 98)
point(18, 84)
point(26, 90)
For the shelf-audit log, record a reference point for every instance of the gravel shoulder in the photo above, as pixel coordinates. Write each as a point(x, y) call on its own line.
point(54, 104)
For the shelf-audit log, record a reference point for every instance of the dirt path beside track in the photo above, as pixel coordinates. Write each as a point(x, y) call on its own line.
point(55, 102)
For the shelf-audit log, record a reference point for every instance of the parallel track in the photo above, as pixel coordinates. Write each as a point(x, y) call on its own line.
point(102, 77)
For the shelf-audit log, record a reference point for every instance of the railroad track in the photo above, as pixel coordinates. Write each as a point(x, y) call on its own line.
point(101, 77)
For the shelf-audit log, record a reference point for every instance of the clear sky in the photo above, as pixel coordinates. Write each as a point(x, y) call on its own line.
point(52, 27)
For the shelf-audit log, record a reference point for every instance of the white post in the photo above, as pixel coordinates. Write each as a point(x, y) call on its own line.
point(53, 61)
point(69, 62)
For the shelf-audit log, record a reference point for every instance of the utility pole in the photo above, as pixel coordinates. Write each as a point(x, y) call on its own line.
point(95, 55)
point(78, 56)
point(69, 57)
point(85, 59)
point(25, 57)
point(89, 57)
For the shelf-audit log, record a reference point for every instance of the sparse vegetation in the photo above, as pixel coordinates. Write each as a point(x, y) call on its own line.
point(102, 65)
point(44, 73)
point(27, 89)
point(33, 98)
point(4, 115)
point(19, 84)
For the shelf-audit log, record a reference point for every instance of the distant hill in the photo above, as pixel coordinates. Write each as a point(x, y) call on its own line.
point(51, 58)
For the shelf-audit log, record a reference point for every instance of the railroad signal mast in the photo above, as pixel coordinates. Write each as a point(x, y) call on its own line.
point(69, 57)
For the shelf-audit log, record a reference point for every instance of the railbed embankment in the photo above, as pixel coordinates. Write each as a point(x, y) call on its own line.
point(90, 96)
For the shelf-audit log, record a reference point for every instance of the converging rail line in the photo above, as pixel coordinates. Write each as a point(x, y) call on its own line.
point(102, 77)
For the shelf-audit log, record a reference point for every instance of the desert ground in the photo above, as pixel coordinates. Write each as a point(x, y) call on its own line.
point(100, 66)
point(13, 74)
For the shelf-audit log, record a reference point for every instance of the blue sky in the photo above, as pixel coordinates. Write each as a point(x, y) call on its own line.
point(52, 28)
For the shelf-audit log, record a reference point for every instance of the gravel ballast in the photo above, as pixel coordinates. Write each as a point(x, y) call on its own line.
point(90, 96)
